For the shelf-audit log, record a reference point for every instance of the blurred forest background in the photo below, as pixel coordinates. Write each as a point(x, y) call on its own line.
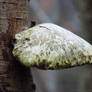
point(76, 16)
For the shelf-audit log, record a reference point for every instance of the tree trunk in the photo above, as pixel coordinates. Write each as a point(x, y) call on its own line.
point(14, 77)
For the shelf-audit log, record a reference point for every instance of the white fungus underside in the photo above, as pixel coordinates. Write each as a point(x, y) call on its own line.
point(49, 46)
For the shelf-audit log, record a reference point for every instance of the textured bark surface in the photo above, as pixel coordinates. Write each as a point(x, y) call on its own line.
point(13, 76)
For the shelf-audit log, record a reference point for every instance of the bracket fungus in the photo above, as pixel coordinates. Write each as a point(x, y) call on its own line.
point(48, 46)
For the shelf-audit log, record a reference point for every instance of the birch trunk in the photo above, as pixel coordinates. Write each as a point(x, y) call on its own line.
point(13, 76)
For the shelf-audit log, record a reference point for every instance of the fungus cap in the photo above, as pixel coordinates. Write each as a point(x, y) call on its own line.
point(49, 46)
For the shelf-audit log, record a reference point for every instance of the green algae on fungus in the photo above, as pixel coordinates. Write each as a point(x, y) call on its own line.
point(48, 46)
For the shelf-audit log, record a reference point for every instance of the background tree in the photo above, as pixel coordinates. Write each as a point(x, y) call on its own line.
point(85, 10)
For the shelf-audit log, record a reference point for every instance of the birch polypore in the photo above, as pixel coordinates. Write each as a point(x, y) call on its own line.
point(48, 46)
